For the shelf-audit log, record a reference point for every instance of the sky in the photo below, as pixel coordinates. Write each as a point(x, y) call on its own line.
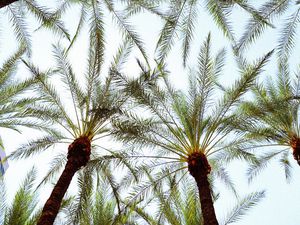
point(280, 206)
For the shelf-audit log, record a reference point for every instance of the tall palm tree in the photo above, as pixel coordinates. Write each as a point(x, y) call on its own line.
point(94, 101)
point(271, 120)
point(189, 130)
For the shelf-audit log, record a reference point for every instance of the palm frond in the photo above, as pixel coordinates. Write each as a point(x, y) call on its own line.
point(3, 198)
point(287, 35)
point(243, 207)
point(261, 164)
point(35, 146)
point(56, 165)
point(232, 96)
point(127, 29)
point(170, 29)
point(287, 166)
point(24, 202)
point(220, 15)
point(256, 26)
point(187, 28)
point(17, 18)
point(47, 18)
point(82, 20)
point(82, 202)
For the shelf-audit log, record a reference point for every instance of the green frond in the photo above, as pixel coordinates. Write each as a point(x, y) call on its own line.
point(284, 87)
point(201, 88)
point(235, 150)
point(144, 189)
point(262, 162)
point(187, 27)
point(254, 13)
point(48, 93)
point(243, 207)
point(13, 104)
point(256, 25)
point(56, 166)
point(24, 202)
point(68, 77)
point(35, 146)
point(287, 35)
point(135, 7)
point(219, 63)
point(109, 178)
point(220, 15)
point(96, 52)
point(82, 202)
point(127, 29)
point(82, 20)
point(170, 29)
point(8, 67)
point(166, 212)
point(103, 212)
point(122, 55)
point(286, 164)
point(16, 14)
point(233, 95)
point(46, 18)
point(223, 176)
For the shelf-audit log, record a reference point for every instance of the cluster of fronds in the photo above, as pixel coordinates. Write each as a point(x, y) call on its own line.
point(209, 118)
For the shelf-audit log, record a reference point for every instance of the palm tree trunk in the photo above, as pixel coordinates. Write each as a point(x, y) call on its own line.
point(4, 3)
point(295, 144)
point(207, 206)
point(199, 168)
point(52, 205)
point(78, 155)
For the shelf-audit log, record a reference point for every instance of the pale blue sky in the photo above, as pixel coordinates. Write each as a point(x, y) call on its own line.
point(281, 205)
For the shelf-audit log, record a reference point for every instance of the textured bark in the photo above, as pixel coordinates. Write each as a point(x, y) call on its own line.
point(295, 144)
point(199, 168)
point(78, 155)
point(4, 3)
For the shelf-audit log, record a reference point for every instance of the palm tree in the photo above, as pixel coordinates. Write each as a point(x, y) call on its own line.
point(271, 120)
point(94, 101)
point(187, 130)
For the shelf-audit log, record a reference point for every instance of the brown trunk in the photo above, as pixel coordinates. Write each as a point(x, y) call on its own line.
point(4, 3)
point(78, 156)
point(295, 143)
point(199, 168)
